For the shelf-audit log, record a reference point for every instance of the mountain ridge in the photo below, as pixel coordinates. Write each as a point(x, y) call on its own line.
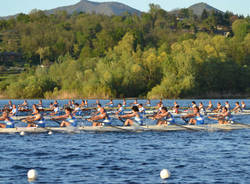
point(115, 8)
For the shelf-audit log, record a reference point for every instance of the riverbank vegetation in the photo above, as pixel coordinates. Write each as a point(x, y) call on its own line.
point(157, 55)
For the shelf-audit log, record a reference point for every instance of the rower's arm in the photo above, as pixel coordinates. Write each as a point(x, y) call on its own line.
point(128, 115)
point(60, 117)
point(188, 116)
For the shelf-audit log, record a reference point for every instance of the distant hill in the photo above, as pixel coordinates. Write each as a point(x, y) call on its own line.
point(85, 6)
point(106, 8)
point(200, 7)
point(115, 8)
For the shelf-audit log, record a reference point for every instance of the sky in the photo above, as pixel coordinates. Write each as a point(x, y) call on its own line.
point(11, 7)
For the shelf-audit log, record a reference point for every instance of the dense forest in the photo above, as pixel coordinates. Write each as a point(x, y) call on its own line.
point(155, 55)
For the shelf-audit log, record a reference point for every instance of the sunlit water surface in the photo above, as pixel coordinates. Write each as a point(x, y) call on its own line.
point(191, 157)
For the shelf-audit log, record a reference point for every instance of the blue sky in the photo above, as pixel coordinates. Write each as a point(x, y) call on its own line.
point(10, 7)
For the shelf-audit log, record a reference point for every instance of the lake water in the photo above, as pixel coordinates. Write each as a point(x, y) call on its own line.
point(191, 157)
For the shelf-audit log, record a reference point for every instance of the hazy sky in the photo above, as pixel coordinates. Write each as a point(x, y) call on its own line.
point(10, 7)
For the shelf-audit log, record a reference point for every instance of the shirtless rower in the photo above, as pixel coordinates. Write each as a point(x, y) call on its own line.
point(36, 120)
point(68, 118)
point(101, 118)
point(164, 118)
point(133, 118)
point(7, 121)
point(195, 118)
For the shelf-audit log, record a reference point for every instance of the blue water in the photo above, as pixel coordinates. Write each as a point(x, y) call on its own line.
point(191, 157)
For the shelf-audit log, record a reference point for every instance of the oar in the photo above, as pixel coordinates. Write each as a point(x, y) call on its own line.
point(243, 124)
point(135, 124)
point(183, 126)
point(58, 122)
point(33, 123)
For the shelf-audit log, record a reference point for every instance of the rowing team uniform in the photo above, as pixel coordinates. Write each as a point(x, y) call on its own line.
point(121, 111)
point(72, 121)
point(139, 119)
point(199, 120)
point(41, 123)
point(9, 123)
point(169, 118)
point(78, 111)
point(14, 112)
point(56, 110)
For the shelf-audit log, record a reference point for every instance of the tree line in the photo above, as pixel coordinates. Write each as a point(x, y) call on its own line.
point(155, 55)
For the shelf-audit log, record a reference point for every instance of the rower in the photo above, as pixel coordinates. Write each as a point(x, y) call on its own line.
point(202, 109)
point(55, 103)
point(68, 118)
point(133, 118)
point(195, 118)
point(96, 103)
point(24, 105)
point(141, 109)
point(237, 108)
point(225, 117)
point(82, 105)
point(148, 103)
point(99, 107)
point(8, 122)
point(10, 105)
point(120, 110)
point(51, 106)
point(14, 110)
point(159, 106)
point(110, 104)
point(69, 104)
point(40, 105)
point(124, 103)
point(176, 108)
point(218, 108)
point(164, 118)
point(210, 106)
point(56, 110)
point(73, 104)
point(34, 108)
point(227, 105)
point(77, 110)
point(86, 103)
point(36, 120)
point(101, 118)
point(243, 105)
point(135, 103)
point(193, 104)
